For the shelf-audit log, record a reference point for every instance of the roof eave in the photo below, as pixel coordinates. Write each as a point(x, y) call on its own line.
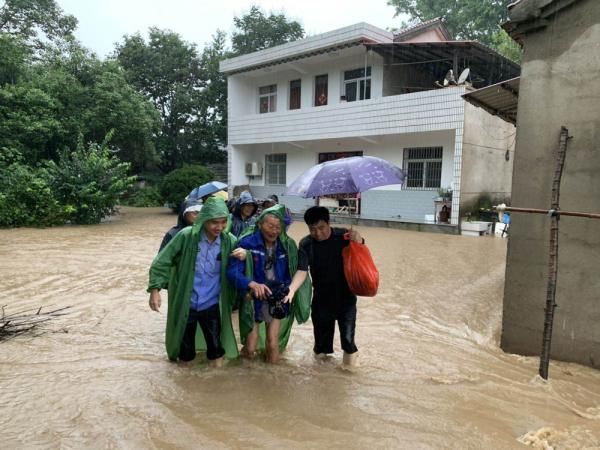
point(528, 16)
point(343, 37)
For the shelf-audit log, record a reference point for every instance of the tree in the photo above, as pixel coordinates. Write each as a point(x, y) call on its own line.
point(465, 19)
point(14, 59)
point(36, 22)
point(506, 46)
point(212, 109)
point(255, 31)
point(72, 93)
point(88, 181)
point(167, 70)
point(116, 105)
point(28, 121)
point(178, 184)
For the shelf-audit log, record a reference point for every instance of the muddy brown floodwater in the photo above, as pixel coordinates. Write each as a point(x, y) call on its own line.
point(432, 375)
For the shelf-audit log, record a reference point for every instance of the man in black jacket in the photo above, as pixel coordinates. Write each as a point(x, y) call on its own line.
point(321, 251)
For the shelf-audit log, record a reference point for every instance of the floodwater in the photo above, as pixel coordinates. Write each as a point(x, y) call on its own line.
point(432, 375)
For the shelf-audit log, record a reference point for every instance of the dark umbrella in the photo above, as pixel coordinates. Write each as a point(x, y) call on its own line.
point(206, 189)
point(344, 176)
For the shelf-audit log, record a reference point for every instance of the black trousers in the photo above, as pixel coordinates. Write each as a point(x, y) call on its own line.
point(324, 319)
point(210, 323)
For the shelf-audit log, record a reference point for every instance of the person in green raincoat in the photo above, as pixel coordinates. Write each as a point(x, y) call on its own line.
point(193, 267)
point(275, 297)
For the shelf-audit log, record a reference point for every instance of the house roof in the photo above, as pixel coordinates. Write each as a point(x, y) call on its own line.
point(303, 48)
point(499, 99)
point(526, 16)
point(430, 25)
point(486, 66)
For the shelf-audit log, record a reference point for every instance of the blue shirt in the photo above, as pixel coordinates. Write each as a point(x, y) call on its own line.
point(207, 276)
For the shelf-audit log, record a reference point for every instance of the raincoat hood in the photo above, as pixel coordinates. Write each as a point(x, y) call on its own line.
point(246, 198)
point(277, 211)
point(213, 208)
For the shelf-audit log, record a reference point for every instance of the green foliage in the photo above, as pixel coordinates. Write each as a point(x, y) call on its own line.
point(14, 57)
point(256, 31)
point(89, 181)
point(69, 94)
point(465, 19)
point(28, 120)
point(144, 197)
point(212, 108)
point(26, 198)
point(506, 46)
point(179, 183)
point(170, 74)
point(39, 22)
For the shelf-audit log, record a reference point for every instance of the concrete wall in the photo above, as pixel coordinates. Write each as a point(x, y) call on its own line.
point(243, 88)
point(558, 87)
point(387, 202)
point(485, 168)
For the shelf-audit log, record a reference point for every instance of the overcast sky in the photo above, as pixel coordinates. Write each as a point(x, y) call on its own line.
point(104, 22)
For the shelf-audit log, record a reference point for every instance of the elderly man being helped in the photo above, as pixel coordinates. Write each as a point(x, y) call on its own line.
point(268, 277)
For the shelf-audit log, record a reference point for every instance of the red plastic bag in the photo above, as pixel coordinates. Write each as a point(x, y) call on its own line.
point(360, 271)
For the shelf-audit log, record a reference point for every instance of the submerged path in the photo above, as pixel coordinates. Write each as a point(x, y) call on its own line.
point(432, 375)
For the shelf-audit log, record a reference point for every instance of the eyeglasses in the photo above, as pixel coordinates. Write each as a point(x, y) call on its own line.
point(269, 262)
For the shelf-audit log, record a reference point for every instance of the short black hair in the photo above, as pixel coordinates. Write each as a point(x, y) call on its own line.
point(314, 214)
point(273, 198)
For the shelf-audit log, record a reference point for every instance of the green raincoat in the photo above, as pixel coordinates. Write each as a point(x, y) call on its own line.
point(174, 266)
point(302, 299)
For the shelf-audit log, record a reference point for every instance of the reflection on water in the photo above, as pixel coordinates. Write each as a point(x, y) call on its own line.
point(431, 376)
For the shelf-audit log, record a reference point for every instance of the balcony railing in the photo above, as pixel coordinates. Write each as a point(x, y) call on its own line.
point(439, 109)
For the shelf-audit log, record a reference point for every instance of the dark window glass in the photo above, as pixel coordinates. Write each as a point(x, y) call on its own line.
point(295, 94)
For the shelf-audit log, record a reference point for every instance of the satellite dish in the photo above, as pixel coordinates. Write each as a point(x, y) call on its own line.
point(463, 76)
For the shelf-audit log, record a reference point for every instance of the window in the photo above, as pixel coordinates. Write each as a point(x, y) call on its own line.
point(295, 91)
point(267, 98)
point(357, 86)
point(423, 166)
point(337, 155)
point(275, 168)
point(321, 90)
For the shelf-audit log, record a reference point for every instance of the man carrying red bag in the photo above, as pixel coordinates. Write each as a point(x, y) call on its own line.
point(321, 251)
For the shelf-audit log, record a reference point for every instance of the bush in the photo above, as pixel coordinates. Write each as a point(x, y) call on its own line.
point(178, 184)
point(144, 197)
point(89, 182)
point(26, 199)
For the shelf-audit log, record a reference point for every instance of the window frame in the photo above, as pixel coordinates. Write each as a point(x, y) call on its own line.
point(281, 166)
point(360, 80)
point(271, 97)
point(427, 162)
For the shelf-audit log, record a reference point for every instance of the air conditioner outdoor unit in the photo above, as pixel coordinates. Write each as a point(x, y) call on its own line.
point(253, 169)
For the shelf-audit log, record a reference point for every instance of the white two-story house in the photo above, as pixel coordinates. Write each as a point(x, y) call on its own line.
point(361, 90)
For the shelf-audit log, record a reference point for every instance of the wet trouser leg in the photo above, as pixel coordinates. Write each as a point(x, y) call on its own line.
point(324, 329)
point(347, 326)
point(210, 323)
point(187, 350)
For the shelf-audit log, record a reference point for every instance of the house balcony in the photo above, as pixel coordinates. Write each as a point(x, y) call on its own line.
point(440, 109)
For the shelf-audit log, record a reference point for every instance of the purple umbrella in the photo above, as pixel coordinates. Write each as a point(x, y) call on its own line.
point(345, 176)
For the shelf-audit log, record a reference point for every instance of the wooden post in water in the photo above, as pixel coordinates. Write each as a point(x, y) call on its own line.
point(553, 257)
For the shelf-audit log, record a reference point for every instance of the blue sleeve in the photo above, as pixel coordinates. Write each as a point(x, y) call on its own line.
point(236, 270)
